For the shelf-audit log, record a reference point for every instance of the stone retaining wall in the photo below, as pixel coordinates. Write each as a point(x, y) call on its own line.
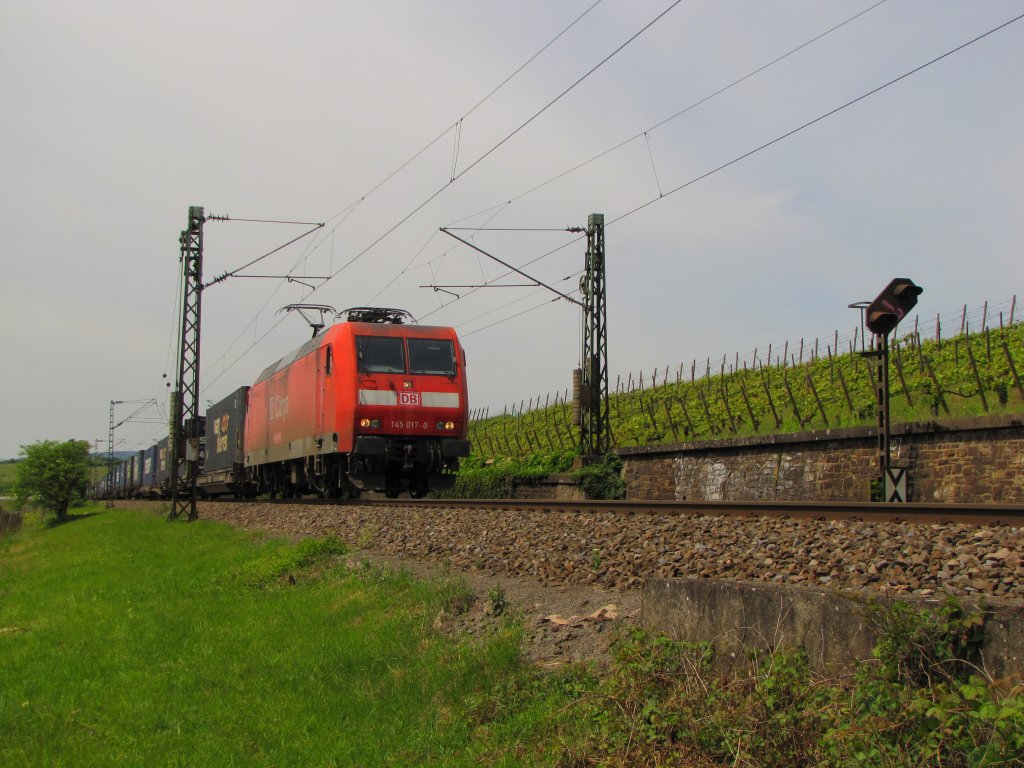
point(561, 487)
point(968, 460)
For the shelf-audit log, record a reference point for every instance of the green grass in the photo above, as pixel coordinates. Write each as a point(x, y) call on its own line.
point(7, 471)
point(129, 641)
point(126, 640)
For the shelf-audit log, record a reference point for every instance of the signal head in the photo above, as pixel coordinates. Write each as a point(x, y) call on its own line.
point(891, 305)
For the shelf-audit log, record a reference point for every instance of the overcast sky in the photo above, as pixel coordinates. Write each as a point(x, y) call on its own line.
point(117, 116)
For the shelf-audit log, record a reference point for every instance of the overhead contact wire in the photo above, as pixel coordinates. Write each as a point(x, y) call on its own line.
point(560, 96)
point(680, 113)
point(490, 151)
point(645, 133)
point(818, 119)
point(530, 60)
point(506, 274)
point(521, 298)
point(348, 210)
point(794, 131)
point(457, 124)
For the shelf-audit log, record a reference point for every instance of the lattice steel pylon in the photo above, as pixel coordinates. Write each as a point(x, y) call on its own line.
point(110, 459)
point(595, 425)
point(185, 422)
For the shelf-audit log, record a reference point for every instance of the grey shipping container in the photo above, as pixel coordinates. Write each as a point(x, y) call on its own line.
point(163, 461)
point(119, 473)
point(225, 432)
point(149, 464)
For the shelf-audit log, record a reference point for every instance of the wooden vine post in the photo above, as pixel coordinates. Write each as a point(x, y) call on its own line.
point(1013, 370)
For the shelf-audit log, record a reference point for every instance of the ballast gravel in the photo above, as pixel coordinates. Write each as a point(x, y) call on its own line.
point(613, 551)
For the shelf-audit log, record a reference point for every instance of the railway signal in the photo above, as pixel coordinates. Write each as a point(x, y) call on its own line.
point(882, 316)
point(891, 305)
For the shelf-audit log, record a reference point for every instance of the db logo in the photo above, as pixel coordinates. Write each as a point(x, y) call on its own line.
point(408, 398)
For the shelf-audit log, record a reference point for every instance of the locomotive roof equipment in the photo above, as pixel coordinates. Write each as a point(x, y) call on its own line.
point(376, 315)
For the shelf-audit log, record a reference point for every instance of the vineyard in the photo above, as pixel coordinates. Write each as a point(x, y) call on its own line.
point(790, 389)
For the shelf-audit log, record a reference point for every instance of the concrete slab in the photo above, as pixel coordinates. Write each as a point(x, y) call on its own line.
point(831, 626)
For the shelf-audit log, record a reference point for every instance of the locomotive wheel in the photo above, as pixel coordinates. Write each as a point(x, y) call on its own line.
point(392, 485)
point(345, 490)
point(418, 488)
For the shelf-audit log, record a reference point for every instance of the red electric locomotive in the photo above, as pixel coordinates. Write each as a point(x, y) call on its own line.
point(369, 404)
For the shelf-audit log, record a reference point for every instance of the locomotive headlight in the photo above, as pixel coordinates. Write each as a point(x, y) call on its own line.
point(446, 426)
point(369, 423)
point(364, 423)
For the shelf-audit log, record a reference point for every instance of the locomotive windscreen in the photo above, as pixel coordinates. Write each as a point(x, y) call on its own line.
point(380, 354)
point(432, 356)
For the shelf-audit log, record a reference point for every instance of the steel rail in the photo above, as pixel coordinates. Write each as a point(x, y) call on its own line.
point(915, 512)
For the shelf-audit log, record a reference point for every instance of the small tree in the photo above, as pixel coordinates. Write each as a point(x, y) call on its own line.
point(53, 475)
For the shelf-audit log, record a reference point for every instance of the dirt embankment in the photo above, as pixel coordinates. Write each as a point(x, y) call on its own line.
point(560, 569)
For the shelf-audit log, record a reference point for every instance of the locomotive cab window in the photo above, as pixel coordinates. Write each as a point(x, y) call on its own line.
point(380, 354)
point(432, 357)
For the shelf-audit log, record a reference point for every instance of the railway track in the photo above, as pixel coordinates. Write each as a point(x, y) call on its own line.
point(918, 512)
point(922, 549)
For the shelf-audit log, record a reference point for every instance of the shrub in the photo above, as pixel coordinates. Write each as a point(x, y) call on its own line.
point(917, 704)
point(53, 475)
point(602, 479)
point(498, 478)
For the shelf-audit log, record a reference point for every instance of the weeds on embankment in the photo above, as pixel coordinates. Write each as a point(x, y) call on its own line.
point(920, 701)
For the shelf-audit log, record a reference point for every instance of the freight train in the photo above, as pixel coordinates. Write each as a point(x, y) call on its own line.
point(370, 404)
